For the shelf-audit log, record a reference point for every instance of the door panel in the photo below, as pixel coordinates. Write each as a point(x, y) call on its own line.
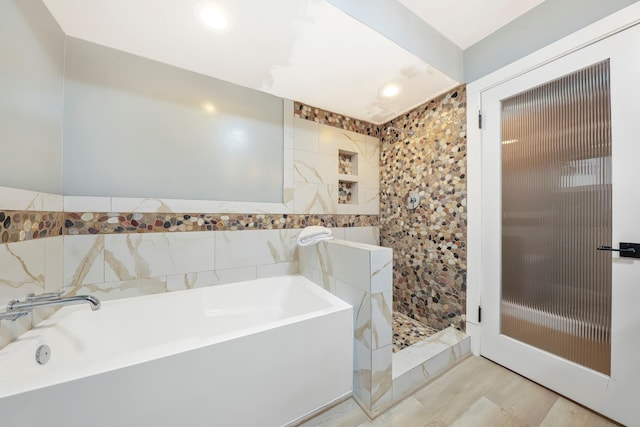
point(613, 392)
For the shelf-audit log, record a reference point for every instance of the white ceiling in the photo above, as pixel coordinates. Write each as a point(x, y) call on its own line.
point(466, 22)
point(305, 50)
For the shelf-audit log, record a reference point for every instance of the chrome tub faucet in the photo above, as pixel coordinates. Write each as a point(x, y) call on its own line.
point(17, 309)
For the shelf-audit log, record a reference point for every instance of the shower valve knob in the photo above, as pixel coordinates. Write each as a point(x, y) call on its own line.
point(413, 200)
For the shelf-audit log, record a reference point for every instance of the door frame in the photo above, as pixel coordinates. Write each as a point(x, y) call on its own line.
point(593, 33)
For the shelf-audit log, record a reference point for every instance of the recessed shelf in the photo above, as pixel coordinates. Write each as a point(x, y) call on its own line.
point(347, 192)
point(347, 177)
point(347, 163)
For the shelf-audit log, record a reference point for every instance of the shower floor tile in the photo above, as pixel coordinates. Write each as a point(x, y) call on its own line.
point(408, 331)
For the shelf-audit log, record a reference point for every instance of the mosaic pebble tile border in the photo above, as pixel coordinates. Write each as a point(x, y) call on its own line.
point(76, 223)
point(304, 111)
point(18, 226)
point(408, 331)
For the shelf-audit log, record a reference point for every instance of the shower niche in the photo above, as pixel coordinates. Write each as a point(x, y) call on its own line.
point(347, 177)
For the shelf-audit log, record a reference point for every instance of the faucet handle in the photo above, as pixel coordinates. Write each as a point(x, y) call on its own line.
point(42, 297)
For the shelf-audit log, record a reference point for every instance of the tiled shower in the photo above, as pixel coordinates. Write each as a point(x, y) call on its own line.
point(422, 157)
point(424, 150)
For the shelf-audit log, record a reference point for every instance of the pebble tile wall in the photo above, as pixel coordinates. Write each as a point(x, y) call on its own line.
point(429, 243)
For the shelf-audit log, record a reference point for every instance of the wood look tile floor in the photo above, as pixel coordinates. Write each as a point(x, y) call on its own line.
point(475, 393)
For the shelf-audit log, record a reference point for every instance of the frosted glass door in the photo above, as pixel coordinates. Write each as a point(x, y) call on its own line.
point(556, 209)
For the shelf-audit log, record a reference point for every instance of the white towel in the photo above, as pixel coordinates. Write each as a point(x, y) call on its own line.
point(313, 234)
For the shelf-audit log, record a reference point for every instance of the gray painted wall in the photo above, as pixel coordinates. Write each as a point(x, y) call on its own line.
point(541, 26)
point(31, 96)
point(139, 128)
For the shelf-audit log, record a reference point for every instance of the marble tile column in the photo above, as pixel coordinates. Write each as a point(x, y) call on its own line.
point(361, 275)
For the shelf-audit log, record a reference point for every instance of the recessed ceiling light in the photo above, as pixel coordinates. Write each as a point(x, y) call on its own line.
point(390, 90)
point(208, 107)
point(212, 16)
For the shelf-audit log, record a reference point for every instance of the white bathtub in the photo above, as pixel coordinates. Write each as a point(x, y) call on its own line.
point(260, 353)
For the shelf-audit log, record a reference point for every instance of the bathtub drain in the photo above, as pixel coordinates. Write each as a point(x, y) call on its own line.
point(43, 353)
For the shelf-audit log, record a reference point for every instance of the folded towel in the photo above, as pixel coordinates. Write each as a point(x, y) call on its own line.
point(313, 234)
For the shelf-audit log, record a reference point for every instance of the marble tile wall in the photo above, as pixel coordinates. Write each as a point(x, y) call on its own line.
point(107, 265)
point(429, 243)
point(317, 171)
point(29, 262)
point(360, 274)
point(122, 265)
